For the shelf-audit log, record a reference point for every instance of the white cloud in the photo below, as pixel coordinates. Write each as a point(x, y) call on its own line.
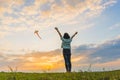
point(2, 34)
point(115, 26)
point(46, 13)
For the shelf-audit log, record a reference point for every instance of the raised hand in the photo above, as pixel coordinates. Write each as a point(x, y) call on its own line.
point(58, 32)
point(76, 32)
point(56, 28)
point(74, 35)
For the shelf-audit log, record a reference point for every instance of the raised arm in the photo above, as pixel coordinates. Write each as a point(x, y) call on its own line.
point(58, 32)
point(74, 35)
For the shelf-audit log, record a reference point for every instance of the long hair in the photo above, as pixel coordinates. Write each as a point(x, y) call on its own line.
point(66, 36)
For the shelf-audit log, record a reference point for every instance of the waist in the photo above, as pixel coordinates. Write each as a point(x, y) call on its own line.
point(66, 51)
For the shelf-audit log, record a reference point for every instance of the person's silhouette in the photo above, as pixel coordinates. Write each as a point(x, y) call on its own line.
point(66, 45)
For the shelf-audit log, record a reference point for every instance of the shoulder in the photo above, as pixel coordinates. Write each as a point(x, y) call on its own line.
point(62, 38)
point(70, 39)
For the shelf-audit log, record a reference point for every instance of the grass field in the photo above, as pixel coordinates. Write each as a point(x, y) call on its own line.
point(110, 75)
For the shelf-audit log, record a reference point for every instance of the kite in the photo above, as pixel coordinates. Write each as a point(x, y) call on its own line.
point(36, 32)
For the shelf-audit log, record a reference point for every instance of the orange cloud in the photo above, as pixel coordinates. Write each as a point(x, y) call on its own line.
point(108, 64)
point(50, 61)
point(39, 61)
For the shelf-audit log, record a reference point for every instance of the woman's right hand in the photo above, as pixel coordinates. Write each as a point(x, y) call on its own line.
point(56, 28)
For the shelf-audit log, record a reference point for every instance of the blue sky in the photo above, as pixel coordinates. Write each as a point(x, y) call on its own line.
point(96, 21)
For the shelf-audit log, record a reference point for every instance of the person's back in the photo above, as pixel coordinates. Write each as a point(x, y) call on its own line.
point(66, 45)
point(66, 41)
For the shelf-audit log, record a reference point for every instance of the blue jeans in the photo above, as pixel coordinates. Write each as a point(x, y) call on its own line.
point(67, 58)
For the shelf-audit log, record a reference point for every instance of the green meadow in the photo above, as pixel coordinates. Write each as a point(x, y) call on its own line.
point(106, 75)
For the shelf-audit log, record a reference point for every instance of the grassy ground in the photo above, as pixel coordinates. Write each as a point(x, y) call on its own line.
point(111, 75)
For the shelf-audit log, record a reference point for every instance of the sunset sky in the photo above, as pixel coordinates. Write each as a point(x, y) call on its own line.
point(97, 42)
